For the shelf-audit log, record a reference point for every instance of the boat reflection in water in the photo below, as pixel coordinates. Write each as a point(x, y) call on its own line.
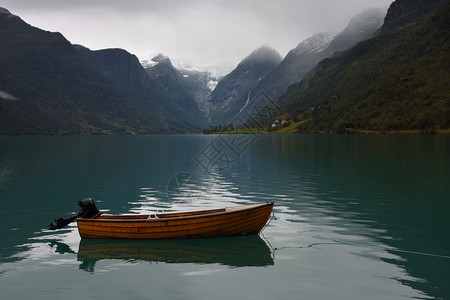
point(242, 251)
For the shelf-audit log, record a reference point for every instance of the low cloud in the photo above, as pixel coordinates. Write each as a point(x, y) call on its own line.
point(202, 31)
point(6, 96)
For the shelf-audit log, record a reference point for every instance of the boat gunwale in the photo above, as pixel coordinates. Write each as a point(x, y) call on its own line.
point(224, 211)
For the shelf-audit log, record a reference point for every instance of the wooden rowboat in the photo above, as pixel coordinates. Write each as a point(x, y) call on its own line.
point(229, 221)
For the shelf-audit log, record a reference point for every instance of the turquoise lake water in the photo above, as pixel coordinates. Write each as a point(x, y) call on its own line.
point(357, 217)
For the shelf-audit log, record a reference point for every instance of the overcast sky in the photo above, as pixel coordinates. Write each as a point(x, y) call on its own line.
point(202, 31)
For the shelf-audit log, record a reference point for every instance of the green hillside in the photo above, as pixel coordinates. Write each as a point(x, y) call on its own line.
point(399, 80)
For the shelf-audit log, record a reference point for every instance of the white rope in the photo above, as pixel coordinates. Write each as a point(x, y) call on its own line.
point(363, 245)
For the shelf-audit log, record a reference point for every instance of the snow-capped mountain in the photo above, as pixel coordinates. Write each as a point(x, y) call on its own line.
point(209, 75)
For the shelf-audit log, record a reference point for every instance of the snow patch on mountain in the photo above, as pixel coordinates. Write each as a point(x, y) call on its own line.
point(148, 63)
point(6, 96)
point(154, 60)
point(212, 84)
point(315, 43)
point(216, 70)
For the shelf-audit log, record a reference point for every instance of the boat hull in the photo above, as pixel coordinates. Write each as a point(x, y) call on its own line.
point(232, 221)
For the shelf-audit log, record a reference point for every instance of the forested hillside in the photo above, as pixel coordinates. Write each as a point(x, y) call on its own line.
point(399, 80)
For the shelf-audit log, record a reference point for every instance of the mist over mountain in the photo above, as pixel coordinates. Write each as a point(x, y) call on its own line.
point(297, 63)
point(382, 72)
point(215, 71)
point(360, 28)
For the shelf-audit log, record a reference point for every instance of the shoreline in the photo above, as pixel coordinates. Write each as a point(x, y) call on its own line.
point(348, 131)
point(256, 131)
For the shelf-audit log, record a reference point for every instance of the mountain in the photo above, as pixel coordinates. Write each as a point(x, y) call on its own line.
point(295, 65)
point(200, 84)
point(360, 28)
point(124, 70)
point(244, 97)
point(372, 76)
point(398, 80)
point(51, 89)
point(215, 71)
point(302, 59)
point(128, 75)
point(185, 91)
point(232, 93)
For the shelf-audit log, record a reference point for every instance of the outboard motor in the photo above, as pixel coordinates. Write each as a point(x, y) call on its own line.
point(88, 210)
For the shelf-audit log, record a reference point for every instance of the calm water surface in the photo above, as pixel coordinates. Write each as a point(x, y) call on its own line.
point(357, 217)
